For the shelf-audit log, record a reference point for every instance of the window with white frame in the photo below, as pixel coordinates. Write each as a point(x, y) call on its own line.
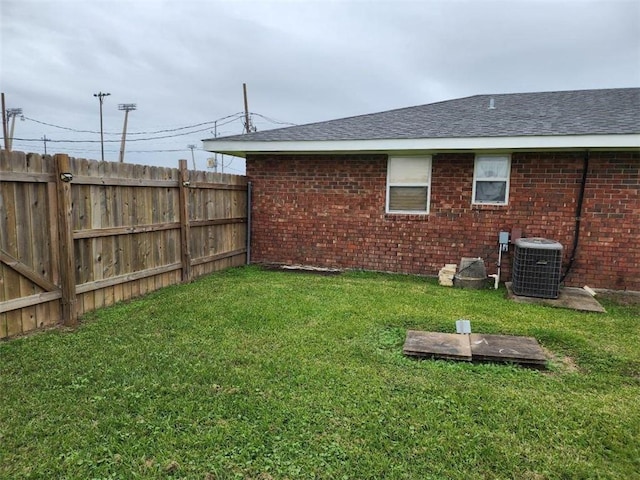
point(491, 179)
point(408, 184)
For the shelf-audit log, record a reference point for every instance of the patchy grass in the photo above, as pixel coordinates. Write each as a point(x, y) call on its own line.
point(269, 375)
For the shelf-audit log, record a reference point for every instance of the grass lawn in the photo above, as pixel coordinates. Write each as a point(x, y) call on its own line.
point(254, 374)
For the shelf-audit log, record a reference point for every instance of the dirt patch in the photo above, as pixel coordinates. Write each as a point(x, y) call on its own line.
point(569, 365)
point(620, 297)
point(563, 363)
point(301, 269)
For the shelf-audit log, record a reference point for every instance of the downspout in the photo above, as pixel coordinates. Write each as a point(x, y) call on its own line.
point(576, 233)
point(249, 185)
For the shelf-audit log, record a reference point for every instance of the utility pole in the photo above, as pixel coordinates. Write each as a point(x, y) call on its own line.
point(215, 154)
point(212, 162)
point(45, 140)
point(247, 125)
point(12, 113)
point(5, 133)
point(127, 107)
point(100, 96)
point(193, 159)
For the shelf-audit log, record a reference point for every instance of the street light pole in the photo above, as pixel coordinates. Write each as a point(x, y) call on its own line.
point(127, 107)
point(12, 113)
point(100, 97)
point(193, 159)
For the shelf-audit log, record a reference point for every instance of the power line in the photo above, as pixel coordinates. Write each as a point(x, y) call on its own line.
point(88, 151)
point(89, 147)
point(230, 118)
point(131, 140)
point(167, 130)
point(107, 150)
point(272, 120)
point(157, 151)
point(234, 169)
point(115, 141)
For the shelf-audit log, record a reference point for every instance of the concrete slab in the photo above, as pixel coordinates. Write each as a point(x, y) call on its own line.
point(506, 348)
point(450, 346)
point(571, 298)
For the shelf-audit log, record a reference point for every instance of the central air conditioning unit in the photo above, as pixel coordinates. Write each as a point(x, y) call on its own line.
point(537, 263)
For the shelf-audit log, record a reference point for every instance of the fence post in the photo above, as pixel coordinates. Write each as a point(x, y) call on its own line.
point(185, 235)
point(65, 234)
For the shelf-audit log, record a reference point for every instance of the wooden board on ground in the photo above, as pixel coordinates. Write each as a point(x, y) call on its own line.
point(437, 345)
point(506, 348)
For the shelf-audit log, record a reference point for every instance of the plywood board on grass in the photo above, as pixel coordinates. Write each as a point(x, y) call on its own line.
point(506, 348)
point(449, 346)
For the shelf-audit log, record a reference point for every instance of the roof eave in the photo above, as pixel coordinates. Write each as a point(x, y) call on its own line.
point(526, 142)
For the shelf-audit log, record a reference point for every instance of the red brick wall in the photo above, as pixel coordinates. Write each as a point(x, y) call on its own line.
point(329, 210)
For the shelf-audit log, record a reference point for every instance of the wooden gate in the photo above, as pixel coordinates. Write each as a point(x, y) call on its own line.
point(29, 268)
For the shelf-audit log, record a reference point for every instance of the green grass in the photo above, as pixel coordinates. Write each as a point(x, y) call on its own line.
point(270, 375)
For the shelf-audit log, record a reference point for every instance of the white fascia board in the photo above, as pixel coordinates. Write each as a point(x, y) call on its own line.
point(241, 148)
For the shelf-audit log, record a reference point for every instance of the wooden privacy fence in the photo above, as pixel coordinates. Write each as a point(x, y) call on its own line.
point(76, 235)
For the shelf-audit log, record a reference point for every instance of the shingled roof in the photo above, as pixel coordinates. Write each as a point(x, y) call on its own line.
point(564, 113)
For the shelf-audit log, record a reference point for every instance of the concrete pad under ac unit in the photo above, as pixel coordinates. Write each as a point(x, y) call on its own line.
point(569, 297)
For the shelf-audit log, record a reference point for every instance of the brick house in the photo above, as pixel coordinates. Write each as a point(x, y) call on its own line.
point(409, 190)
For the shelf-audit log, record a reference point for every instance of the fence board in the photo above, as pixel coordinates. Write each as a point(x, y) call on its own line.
point(40, 231)
point(28, 301)
point(24, 243)
point(121, 182)
point(27, 272)
point(39, 248)
point(29, 177)
point(8, 237)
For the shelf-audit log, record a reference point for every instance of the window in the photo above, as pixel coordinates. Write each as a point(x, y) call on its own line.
point(491, 179)
point(408, 184)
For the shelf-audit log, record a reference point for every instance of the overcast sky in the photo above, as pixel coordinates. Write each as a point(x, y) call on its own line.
point(183, 62)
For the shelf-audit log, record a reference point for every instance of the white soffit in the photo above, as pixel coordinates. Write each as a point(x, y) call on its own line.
point(241, 148)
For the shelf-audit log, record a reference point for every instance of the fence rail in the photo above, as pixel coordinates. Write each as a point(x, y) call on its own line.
point(76, 235)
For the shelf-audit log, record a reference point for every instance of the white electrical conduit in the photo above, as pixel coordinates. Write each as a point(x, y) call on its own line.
point(496, 276)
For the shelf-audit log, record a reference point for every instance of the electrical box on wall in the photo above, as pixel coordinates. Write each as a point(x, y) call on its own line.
point(503, 240)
